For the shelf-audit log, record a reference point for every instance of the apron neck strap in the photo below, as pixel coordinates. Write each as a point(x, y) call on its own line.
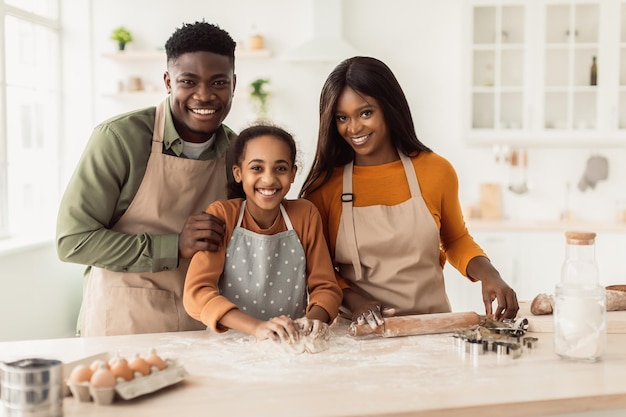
point(159, 127)
point(282, 211)
point(348, 224)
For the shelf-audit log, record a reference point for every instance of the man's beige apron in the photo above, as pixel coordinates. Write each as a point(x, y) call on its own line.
point(391, 253)
point(172, 189)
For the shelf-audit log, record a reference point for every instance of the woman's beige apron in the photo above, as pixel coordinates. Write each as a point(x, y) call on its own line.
point(172, 189)
point(391, 253)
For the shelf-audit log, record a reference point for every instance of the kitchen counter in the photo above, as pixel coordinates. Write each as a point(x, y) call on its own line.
point(233, 375)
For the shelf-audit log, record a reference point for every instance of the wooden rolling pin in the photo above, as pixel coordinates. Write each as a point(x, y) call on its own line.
point(418, 324)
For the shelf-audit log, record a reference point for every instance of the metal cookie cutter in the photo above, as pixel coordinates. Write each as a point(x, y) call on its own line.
point(511, 349)
point(517, 327)
point(503, 329)
point(529, 342)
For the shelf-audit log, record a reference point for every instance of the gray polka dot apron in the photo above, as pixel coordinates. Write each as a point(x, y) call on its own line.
point(265, 275)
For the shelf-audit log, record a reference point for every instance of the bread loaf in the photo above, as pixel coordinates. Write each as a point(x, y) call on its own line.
point(615, 301)
point(616, 287)
point(542, 304)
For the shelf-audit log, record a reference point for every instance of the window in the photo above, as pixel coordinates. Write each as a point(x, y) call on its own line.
point(30, 113)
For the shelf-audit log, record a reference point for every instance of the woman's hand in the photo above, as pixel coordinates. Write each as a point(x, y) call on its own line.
point(279, 329)
point(494, 289)
point(365, 310)
point(372, 313)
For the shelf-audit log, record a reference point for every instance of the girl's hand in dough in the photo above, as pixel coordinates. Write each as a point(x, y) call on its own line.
point(311, 328)
point(279, 329)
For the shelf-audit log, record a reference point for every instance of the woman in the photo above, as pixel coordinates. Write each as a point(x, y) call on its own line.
point(389, 204)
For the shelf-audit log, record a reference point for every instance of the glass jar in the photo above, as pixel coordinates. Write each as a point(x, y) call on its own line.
point(580, 302)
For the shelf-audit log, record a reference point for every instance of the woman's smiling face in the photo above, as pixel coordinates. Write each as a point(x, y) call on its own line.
point(361, 123)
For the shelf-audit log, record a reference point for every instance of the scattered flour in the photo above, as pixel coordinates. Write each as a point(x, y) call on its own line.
point(417, 362)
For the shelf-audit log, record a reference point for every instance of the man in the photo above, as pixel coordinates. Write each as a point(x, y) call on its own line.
point(133, 212)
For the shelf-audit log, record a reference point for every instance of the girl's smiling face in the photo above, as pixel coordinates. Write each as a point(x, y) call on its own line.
point(266, 172)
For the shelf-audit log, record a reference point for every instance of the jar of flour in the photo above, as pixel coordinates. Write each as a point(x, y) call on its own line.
point(580, 302)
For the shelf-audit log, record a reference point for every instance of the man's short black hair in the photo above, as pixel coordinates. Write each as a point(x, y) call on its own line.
point(200, 36)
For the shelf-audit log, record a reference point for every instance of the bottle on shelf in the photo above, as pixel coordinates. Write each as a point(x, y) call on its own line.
point(594, 72)
point(256, 40)
point(580, 302)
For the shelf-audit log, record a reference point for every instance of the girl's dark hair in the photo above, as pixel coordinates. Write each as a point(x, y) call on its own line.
point(200, 36)
point(238, 148)
point(369, 77)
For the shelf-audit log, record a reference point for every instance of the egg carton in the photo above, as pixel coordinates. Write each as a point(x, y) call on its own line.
point(126, 390)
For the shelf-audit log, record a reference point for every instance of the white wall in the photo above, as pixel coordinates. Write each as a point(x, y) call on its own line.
point(420, 40)
point(39, 296)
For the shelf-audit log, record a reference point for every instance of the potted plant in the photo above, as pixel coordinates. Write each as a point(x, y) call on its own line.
point(259, 95)
point(122, 36)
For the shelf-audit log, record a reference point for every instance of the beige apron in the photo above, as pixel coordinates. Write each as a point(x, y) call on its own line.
point(391, 253)
point(172, 189)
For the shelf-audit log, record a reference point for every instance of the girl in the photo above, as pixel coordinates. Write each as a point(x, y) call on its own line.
point(273, 266)
point(389, 204)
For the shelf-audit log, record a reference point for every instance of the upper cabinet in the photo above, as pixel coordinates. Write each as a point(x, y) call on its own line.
point(547, 72)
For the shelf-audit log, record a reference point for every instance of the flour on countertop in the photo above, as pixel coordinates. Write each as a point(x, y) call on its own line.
point(417, 361)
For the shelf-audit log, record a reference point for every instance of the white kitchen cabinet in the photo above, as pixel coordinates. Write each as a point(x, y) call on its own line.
point(622, 68)
point(529, 79)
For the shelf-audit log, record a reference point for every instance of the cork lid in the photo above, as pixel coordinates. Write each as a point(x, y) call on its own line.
point(580, 238)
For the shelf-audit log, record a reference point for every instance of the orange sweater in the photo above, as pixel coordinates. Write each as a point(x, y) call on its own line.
point(387, 185)
point(201, 295)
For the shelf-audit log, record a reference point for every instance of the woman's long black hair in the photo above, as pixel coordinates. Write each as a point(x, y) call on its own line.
point(370, 77)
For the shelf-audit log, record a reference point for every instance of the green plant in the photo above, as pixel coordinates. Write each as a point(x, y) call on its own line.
point(122, 36)
point(259, 95)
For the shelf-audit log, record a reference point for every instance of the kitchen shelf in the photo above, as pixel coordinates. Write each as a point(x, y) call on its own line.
point(136, 95)
point(137, 60)
point(137, 56)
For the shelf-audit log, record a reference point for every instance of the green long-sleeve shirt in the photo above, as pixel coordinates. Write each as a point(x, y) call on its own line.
point(102, 187)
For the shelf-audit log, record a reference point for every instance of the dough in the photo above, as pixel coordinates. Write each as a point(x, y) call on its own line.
point(314, 342)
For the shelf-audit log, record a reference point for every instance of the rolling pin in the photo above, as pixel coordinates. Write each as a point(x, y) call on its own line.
point(418, 324)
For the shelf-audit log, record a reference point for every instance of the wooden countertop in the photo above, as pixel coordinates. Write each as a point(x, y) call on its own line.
point(232, 375)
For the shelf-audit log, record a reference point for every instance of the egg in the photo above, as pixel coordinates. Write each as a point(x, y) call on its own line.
point(120, 369)
point(102, 378)
point(80, 373)
point(155, 360)
point(139, 364)
point(96, 364)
